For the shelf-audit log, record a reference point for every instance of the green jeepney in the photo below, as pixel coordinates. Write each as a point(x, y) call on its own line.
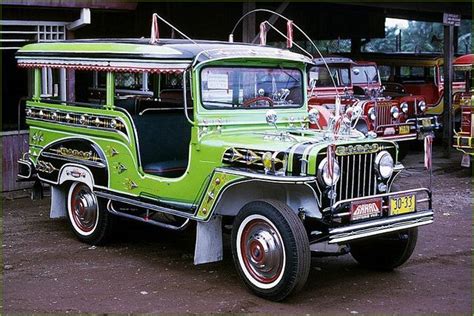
point(217, 134)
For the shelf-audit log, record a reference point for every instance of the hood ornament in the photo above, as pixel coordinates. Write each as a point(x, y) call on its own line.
point(271, 117)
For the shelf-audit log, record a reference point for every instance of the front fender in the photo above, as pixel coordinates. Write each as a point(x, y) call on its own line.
point(230, 189)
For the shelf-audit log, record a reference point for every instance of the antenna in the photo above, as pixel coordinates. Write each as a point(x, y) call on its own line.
point(290, 24)
point(155, 34)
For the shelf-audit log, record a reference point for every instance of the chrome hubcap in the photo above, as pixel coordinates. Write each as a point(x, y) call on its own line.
point(83, 208)
point(262, 251)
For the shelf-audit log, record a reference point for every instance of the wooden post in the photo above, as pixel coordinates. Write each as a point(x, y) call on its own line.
point(110, 86)
point(248, 24)
point(355, 46)
point(448, 90)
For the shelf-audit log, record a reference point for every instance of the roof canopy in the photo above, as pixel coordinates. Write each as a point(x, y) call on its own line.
point(464, 61)
point(168, 55)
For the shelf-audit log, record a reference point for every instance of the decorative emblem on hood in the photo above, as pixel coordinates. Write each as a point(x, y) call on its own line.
point(357, 149)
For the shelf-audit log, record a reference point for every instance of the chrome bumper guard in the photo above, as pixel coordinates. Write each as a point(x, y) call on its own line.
point(382, 225)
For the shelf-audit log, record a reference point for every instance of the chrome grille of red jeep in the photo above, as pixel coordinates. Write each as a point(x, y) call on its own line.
point(382, 112)
point(358, 177)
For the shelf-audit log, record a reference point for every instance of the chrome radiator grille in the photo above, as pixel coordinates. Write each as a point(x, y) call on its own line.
point(358, 177)
point(382, 112)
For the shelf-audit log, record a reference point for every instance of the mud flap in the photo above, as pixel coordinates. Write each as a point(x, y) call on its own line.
point(58, 202)
point(209, 241)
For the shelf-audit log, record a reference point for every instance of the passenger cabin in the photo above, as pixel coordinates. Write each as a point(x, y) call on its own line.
point(149, 83)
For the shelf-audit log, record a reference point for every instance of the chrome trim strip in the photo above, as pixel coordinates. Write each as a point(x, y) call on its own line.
point(112, 210)
point(365, 173)
point(259, 176)
point(152, 207)
point(347, 177)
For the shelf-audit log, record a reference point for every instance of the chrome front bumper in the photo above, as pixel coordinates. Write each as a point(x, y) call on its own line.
point(426, 124)
point(394, 132)
point(385, 223)
point(380, 226)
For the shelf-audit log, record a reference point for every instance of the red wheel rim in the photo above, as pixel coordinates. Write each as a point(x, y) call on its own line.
point(83, 208)
point(262, 251)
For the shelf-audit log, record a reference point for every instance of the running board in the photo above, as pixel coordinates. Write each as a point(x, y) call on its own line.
point(112, 210)
point(381, 226)
point(145, 205)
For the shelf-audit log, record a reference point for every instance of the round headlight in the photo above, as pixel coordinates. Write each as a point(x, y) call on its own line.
point(384, 164)
point(324, 175)
point(395, 112)
point(404, 107)
point(422, 106)
point(371, 114)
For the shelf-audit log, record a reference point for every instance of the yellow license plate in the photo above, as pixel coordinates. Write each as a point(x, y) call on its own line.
point(404, 129)
point(402, 204)
point(426, 122)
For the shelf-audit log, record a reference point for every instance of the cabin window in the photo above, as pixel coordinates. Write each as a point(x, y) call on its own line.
point(321, 76)
point(243, 87)
point(53, 83)
point(367, 74)
point(385, 73)
point(458, 75)
point(416, 73)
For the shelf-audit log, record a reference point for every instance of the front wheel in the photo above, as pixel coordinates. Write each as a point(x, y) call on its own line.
point(88, 218)
point(270, 249)
point(385, 252)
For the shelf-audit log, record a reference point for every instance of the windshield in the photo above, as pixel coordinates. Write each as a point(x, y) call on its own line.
point(366, 73)
point(245, 87)
point(321, 77)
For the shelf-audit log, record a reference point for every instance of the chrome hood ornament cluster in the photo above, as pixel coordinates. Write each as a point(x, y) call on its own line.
point(341, 125)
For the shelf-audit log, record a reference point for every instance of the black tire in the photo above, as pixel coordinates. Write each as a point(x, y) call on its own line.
point(284, 267)
point(385, 252)
point(87, 214)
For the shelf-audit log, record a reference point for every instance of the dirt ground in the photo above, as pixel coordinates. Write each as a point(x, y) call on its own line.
point(149, 270)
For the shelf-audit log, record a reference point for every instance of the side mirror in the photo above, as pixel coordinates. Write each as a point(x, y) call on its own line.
point(356, 71)
point(312, 83)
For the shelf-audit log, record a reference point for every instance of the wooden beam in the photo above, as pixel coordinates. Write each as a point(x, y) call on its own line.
point(93, 4)
point(448, 90)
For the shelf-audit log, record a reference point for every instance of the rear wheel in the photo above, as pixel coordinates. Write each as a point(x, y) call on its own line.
point(88, 218)
point(385, 252)
point(270, 249)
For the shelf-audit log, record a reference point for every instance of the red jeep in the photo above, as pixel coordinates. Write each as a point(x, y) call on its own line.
point(413, 107)
point(380, 114)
